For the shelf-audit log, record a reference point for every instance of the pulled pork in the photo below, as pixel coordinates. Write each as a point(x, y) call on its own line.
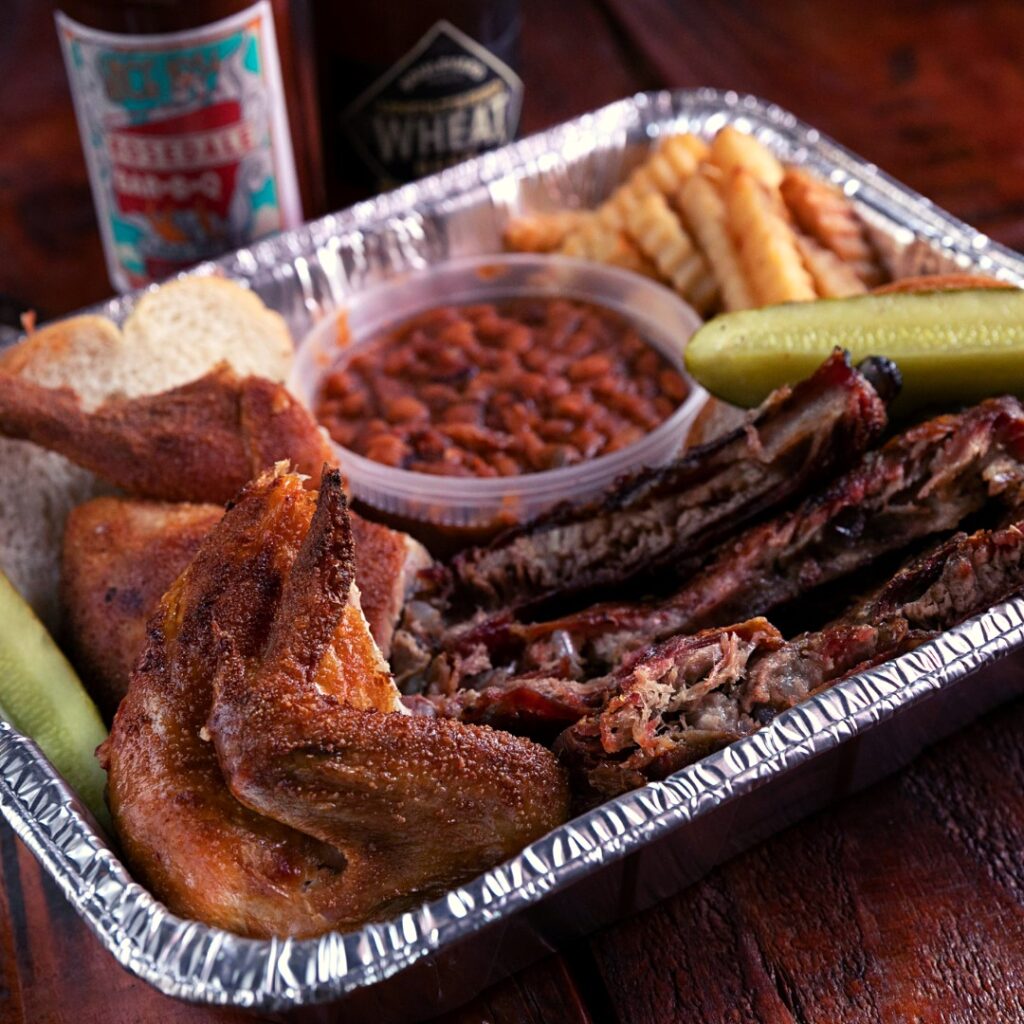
point(687, 696)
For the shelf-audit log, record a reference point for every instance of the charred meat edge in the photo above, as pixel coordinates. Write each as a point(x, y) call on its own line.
point(661, 517)
point(924, 481)
point(956, 462)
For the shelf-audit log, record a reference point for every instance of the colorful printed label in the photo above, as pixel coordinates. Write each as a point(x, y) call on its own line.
point(447, 99)
point(186, 139)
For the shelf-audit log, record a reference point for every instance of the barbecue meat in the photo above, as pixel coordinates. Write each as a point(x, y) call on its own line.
point(118, 559)
point(660, 519)
point(263, 777)
point(388, 566)
point(953, 581)
point(692, 695)
point(956, 579)
point(199, 442)
point(539, 706)
point(675, 702)
point(923, 482)
point(121, 555)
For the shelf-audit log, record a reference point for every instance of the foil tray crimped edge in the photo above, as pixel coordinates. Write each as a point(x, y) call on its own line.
point(192, 961)
point(306, 272)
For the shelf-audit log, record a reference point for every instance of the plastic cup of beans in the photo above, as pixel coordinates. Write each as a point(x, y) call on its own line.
point(479, 393)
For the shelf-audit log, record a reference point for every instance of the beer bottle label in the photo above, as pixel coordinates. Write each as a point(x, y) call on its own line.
point(186, 139)
point(447, 99)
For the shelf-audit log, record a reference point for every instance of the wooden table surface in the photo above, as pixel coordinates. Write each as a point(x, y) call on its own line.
point(906, 903)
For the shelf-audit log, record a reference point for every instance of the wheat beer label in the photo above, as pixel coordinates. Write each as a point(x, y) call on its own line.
point(186, 140)
point(447, 99)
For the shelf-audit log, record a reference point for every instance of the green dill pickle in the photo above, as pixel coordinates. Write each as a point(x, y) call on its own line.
point(952, 347)
point(41, 696)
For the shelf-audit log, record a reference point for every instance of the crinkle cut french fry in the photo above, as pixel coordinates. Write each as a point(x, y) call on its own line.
point(674, 160)
point(833, 279)
point(824, 212)
point(940, 283)
point(684, 151)
point(661, 237)
point(618, 250)
point(767, 247)
point(540, 232)
point(587, 237)
point(705, 214)
point(703, 294)
point(733, 150)
point(593, 240)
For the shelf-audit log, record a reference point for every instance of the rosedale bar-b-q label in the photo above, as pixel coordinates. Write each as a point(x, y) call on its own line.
point(186, 140)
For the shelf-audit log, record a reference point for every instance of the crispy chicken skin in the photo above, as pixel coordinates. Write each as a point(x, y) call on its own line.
point(199, 442)
point(120, 555)
point(118, 559)
point(262, 775)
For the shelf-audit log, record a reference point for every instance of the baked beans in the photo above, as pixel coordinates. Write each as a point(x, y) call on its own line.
point(500, 389)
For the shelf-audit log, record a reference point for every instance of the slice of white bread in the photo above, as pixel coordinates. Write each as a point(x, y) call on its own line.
point(79, 352)
point(176, 333)
point(189, 326)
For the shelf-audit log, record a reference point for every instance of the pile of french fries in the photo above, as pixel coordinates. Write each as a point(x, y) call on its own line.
point(724, 224)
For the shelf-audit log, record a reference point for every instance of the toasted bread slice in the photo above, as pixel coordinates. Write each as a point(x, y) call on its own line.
point(176, 334)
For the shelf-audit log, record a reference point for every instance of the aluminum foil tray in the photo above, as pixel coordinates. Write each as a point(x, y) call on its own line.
point(637, 848)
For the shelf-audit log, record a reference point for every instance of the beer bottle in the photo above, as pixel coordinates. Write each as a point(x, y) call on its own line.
point(181, 105)
point(406, 89)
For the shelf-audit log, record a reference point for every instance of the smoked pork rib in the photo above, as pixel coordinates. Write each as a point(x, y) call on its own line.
point(956, 579)
point(924, 481)
point(662, 517)
point(690, 695)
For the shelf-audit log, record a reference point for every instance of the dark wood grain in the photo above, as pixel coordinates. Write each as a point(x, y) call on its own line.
point(931, 92)
point(50, 966)
point(543, 993)
point(52, 259)
point(904, 904)
point(575, 58)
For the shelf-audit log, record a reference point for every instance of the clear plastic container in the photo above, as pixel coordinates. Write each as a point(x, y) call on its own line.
point(480, 506)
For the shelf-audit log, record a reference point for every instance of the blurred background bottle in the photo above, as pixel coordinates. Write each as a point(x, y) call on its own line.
point(406, 88)
point(188, 126)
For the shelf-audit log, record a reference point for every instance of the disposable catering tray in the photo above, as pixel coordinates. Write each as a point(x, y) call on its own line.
point(642, 846)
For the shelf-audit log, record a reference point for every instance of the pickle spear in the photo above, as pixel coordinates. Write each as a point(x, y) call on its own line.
point(41, 696)
point(951, 347)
